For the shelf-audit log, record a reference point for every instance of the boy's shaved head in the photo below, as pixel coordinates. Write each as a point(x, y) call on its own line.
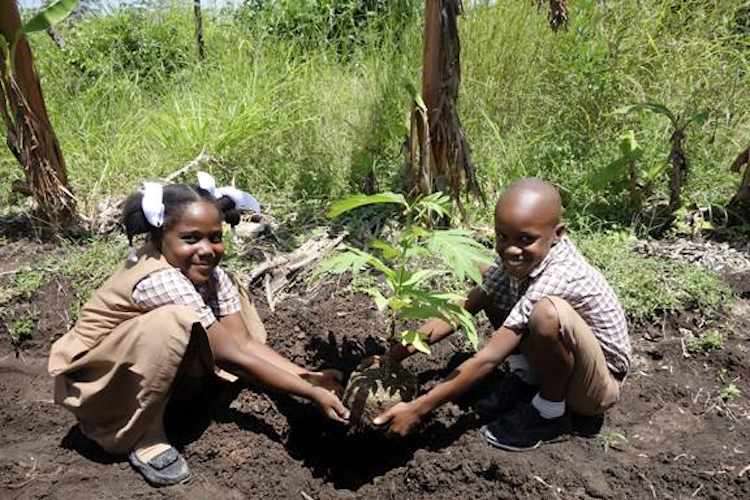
point(527, 224)
point(531, 198)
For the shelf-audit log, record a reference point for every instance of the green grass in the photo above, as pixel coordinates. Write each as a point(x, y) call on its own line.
point(21, 329)
point(650, 287)
point(730, 392)
point(86, 265)
point(298, 118)
point(706, 342)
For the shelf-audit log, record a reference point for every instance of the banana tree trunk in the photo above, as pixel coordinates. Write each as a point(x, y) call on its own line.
point(558, 14)
point(679, 163)
point(199, 29)
point(30, 136)
point(739, 206)
point(439, 156)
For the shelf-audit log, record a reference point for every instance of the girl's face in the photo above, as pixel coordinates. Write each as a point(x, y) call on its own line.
point(193, 244)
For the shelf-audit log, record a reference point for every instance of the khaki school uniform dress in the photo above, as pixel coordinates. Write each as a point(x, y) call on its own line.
point(115, 369)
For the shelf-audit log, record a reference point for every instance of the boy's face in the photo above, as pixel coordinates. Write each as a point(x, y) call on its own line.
point(524, 234)
point(193, 244)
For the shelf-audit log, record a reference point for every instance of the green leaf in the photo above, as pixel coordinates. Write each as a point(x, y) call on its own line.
point(345, 260)
point(49, 16)
point(416, 339)
point(699, 118)
point(389, 251)
point(649, 106)
point(438, 204)
point(420, 276)
point(460, 252)
point(361, 200)
point(380, 302)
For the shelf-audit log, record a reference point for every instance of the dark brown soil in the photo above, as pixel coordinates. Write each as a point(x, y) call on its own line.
point(671, 436)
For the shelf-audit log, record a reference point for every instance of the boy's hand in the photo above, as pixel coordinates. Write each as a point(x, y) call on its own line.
point(330, 405)
point(402, 418)
point(326, 379)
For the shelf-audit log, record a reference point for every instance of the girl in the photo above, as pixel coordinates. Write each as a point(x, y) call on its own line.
point(170, 308)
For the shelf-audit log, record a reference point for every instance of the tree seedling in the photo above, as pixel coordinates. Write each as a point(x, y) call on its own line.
point(408, 265)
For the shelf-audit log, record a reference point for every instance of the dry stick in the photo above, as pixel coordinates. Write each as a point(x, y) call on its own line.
point(199, 160)
point(744, 470)
point(305, 495)
point(650, 484)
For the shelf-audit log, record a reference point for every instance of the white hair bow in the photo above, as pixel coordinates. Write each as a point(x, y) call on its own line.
point(152, 204)
point(241, 199)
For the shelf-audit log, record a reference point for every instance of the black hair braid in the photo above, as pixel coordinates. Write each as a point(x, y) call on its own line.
point(228, 209)
point(133, 218)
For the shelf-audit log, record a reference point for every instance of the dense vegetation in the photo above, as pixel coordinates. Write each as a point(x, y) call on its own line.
point(299, 99)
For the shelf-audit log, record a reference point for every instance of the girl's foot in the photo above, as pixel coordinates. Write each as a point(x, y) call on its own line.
point(161, 464)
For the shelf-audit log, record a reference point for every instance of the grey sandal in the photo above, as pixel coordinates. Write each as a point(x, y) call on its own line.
point(166, 468)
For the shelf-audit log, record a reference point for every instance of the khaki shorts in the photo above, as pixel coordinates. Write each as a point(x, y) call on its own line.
point(593, 389)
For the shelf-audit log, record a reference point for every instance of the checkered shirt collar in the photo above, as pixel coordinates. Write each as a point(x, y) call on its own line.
point(560, 251)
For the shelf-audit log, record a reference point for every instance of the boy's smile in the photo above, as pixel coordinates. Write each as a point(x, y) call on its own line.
point(194, 243)
point(527, 225)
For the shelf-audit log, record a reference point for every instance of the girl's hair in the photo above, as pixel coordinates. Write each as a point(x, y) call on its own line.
point(175, 198)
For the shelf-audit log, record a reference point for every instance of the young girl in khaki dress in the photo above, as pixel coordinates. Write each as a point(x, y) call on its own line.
point(169, 308)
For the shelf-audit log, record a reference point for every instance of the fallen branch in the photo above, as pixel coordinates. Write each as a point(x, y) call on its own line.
point(277, 272)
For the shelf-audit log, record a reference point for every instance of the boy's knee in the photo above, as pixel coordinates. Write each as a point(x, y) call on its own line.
point(544, 320)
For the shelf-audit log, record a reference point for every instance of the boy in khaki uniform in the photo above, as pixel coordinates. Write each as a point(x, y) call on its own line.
point(557, 322)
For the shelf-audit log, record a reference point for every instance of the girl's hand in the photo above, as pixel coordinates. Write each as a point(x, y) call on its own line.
point(330, 405)
point(329, 380)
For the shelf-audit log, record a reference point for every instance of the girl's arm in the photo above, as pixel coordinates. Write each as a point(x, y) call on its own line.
point(328, 379)
point(242, 361)
point(235, 326)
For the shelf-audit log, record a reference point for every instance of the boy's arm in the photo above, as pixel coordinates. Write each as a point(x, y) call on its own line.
point(404, 416)
point(437, 329)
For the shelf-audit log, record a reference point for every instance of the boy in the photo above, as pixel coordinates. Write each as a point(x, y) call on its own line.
point(556, 320)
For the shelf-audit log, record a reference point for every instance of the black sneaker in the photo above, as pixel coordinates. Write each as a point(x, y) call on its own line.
point(511, 392)
point(524, 429)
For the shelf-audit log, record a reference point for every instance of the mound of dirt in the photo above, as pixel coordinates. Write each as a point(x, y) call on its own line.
point(375, 389)
point(672, 435)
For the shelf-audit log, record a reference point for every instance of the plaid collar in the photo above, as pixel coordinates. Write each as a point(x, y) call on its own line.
point(558, 252)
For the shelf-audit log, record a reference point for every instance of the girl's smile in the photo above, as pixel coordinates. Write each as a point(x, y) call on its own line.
point(193, 244)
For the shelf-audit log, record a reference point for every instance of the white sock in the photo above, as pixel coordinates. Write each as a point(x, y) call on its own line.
point(519, 366)
point(548, 409)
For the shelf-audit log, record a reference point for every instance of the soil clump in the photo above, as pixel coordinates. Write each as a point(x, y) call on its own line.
point(672, 435)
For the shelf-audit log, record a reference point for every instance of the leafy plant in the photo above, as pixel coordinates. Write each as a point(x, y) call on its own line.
point(730, 392)
point(677, 157)
point(707, 342)
point(21, 329)
point(629, 165)
point(611, 439)
point(417, 255)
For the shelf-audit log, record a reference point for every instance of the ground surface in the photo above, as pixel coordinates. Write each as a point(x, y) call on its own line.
point(670, 437)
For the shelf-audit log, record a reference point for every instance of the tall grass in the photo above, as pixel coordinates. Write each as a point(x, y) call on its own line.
point(303, 116)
